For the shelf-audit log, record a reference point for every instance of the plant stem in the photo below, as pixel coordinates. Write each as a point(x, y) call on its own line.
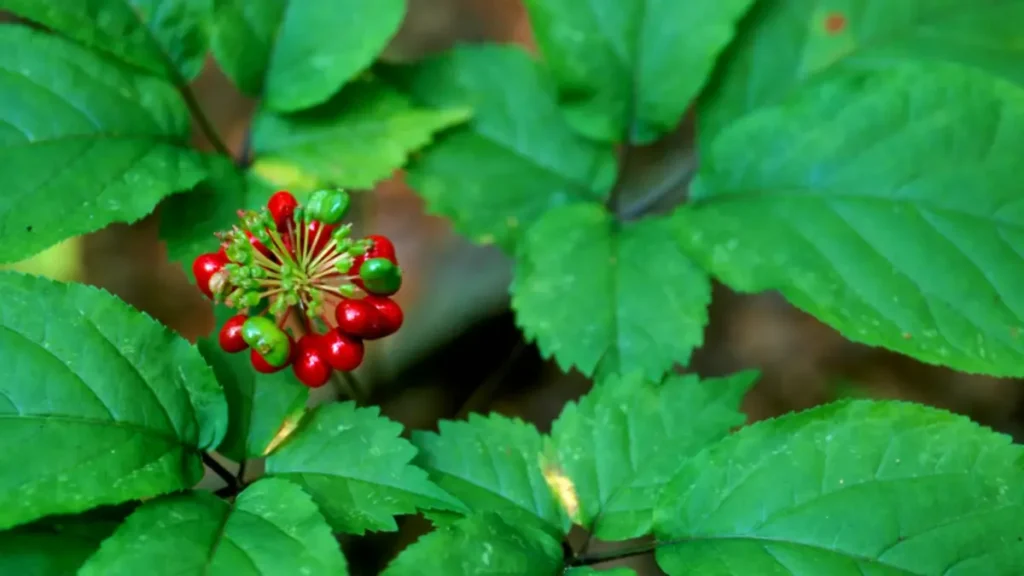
point(241, 472)
point(204, 123)
point(591, 559)
point(350, 385)
point(220, 471)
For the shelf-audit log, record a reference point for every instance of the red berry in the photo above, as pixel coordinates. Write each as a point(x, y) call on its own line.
point(204, 267)
point(258, 244)
point(261, 365)
point(231, 334)
point(389, 315)
point(356, 318)
point(282, 206)
point(311, 367)
point(380, 247)
point(322, 240)
point(343, 352)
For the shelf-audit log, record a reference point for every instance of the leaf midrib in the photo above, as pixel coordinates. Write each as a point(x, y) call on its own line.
point(141, 430)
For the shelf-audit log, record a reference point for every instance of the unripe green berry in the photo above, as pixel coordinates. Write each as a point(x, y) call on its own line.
point(328, 206)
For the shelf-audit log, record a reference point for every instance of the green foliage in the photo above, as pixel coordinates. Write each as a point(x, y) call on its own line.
point(298, 53)
point(99, 404)
point(492, 464)
point(58, 545)
point(843, 199)
point(606, 297)
point(858, 487)
point(626, 439)
point(271, 528)
point(356, 139)
point(588, 571)
point(481, 545)
point(356, 468)
point(515, 159)
point(85, 142)
point(167, 38)
point(628, 70)
point(258, 404)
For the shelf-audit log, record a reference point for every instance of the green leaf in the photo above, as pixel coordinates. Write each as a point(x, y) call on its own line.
point(58, 545)
point(99, 404)
point(358, 138)
point(609, 298)
point(626, 439)
point(168, 38)
point(493, 464)
point(629, 70)
point(588, 571)
point(887, 204)
point(785, 45)
point(258, 404)
point(298, 53)
point(356, 467)
point(85, 142)
point(516, 158)
point(881, 488)
point(481, 545)
point(271, 528)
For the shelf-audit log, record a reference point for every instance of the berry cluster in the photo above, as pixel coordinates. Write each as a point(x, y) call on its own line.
point(289, 259)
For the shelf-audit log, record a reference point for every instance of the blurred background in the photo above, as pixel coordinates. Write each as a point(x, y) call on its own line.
point(460, 351)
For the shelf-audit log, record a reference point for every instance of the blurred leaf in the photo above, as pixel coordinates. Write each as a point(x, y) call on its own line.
point(888, 205)
point(515, 159)
point(258, 404)
point(588, 571)
point(61, 261)
point(58, 545)
point(356, 467)
point(629, 70)
point(100, 404)
point(271, 528)
point(853, 488)
point(481, 545)
point(168, 38)
point(84, 142)
point(609, 298)
point(355, 140)
point(786, 45)
point(296, 54)
point(625, 440)
point(492, 464)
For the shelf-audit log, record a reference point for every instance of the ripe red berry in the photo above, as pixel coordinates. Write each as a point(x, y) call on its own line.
point(258, 244)
point(231, 334)
point(262, 365)
point(389, 316)
point(318, 243)
point(356, 318)
point(343, 352)
point(310, 366)
point(380, 247)
point(282, 206)
point(204, 267)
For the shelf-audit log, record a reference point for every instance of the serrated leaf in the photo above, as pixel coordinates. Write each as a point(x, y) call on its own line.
point(885, 204)
point(515, 159)
point(629, 70)
point(271, 528)
point(624, 441)
point(785, 45)
point(356, 467)
point(299, 53)
point(355, 140)
point(58, 545)
point(258, 404)
point(609, 298)
point(492, 464)
point(483, 544)
point(100, 404)
point(859, 487)
point(168, 38)
point(84, 142)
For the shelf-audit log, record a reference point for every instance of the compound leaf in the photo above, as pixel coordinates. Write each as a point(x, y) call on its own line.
point(606, 297)
point(515, 159)
point(85, 142)
point(853, 488)
point(493, 464)
point(271, 528)
point(629, 70)
point(625, 440)
point(100, 404)
point(356, 467)
point(58, 545)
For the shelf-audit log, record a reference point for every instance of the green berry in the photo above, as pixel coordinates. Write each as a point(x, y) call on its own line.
point(263, 335)
point(380, 276)
point(328, 206)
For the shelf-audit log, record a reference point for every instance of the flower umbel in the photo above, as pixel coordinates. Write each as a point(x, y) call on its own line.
point(289, 259)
